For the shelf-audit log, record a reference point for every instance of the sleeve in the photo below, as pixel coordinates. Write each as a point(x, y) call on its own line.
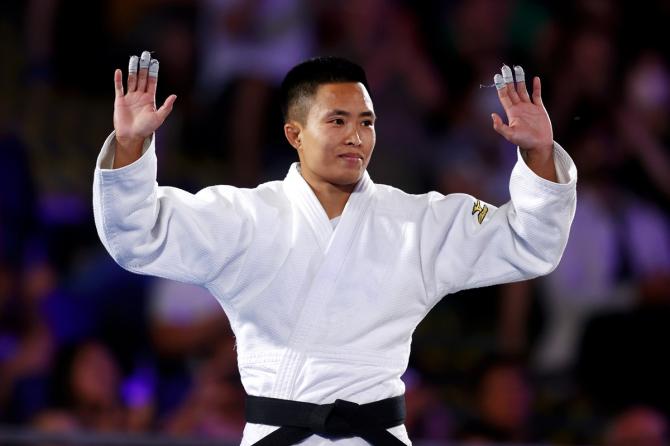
point(165, 231)
point(466, 243)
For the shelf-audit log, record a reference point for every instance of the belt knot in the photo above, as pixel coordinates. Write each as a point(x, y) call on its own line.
point(341, 418)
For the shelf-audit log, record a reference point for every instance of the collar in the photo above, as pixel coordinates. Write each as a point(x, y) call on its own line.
point(301, 195)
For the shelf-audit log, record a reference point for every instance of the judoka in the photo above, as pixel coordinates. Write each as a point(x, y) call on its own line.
point(324, 275)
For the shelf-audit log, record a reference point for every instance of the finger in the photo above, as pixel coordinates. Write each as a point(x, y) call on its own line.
point(166, 108)
point(502, 91)
point(502, 128)
point(153, 77)
point(520, 78)
point(537, 91)
point(509, 84)
point(145, 59)
point(118, 83)
point(132, 73)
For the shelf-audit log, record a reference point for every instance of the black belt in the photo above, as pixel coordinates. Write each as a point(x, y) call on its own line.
point(341, 419)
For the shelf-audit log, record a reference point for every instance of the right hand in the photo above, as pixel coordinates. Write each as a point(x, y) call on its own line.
point(135, 113)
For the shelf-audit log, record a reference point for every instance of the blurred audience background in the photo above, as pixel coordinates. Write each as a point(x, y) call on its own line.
point(574, 358)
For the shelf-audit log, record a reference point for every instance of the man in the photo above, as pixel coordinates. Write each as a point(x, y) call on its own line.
point(325, 275)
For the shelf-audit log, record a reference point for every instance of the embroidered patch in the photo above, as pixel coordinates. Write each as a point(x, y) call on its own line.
point(480, 210)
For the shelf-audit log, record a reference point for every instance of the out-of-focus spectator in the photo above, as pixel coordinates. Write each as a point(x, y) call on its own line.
point(28, 340)
point(643, 128)
point(621, 353)
point(638, 426)
point(617, 238)
point(55, 421)
point(478, 34)
point(503, 397)
point(185, 322)
point(404, 83)
point(585, 77)
point(17, 194)
point(55, 52)
point(215, 405)
point(184, 319)
point(245, 49)
point(427, 416)
point(86, 383)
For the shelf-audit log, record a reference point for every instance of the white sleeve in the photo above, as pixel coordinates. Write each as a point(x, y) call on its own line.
point(522, 239)
point(165, 231)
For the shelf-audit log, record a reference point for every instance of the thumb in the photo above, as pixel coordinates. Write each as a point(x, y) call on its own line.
point(166, 108)
point(500, 127)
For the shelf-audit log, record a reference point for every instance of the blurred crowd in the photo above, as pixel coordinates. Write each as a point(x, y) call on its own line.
point(575, 357)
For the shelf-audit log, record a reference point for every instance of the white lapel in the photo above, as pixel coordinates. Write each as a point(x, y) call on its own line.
point(352, 215)
point(335, 246)
point(302, 195)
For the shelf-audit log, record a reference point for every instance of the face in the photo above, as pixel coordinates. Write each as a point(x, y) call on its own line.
point(337, 138)
point(505, 398)
point(94, 376)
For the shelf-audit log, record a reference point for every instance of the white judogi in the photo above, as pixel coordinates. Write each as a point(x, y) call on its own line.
point(321, 314)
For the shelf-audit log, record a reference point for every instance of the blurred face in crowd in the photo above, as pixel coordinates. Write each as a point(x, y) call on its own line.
point(639, 426)
point(95, 376)
point(648, 92)
point(504, 398)
point(337, 135)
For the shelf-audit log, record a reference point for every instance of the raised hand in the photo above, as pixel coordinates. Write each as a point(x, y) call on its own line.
point(528, 125)
point(135, 113)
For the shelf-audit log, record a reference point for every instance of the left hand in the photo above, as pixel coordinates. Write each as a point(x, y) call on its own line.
point(529, 124)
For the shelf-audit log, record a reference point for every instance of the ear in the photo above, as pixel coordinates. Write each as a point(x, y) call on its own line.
point(292, 131)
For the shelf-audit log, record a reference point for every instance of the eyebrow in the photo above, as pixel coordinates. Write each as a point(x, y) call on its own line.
point(336, 112)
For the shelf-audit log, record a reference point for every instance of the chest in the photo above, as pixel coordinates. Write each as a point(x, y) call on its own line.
point(358, 287)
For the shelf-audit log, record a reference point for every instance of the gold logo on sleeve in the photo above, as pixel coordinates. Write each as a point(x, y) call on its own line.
point(480, 210)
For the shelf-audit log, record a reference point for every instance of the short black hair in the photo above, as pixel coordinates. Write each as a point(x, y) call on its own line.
point(302, 81)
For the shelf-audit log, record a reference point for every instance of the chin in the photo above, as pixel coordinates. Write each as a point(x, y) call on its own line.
point(345, 180)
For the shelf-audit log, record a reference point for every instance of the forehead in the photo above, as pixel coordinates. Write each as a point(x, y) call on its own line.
point(348, 96)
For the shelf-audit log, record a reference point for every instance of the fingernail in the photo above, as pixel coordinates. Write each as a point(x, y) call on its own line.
point(519, 74)
point(153, 68)
point(132, 64)
point(145, 59)
point(499, 81)
point(507, 74)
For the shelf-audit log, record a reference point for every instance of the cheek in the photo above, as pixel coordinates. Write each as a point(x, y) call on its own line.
point(327, 141)
point(372, 139)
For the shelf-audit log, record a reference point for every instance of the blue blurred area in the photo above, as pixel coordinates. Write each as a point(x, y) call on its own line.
point(575, 357)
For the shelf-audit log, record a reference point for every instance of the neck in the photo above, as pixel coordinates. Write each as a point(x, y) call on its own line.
point(333, 197)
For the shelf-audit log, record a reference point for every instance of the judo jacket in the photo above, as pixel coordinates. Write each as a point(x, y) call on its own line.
point(318, 313)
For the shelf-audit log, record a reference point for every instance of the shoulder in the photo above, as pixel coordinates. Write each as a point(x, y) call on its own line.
point(246, 200)
point(391, 198)
point(271, 189)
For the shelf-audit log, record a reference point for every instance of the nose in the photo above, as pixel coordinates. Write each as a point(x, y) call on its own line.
point(354, 139)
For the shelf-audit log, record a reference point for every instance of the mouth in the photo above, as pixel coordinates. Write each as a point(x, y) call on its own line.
point(351, 156)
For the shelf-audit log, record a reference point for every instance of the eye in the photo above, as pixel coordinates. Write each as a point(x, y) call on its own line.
point(338, 121)
point(368, 123)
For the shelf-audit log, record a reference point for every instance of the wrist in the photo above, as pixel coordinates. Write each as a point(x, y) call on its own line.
point(127, 151)
point(539, 154)
point(129, 145)
point(541, 162)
